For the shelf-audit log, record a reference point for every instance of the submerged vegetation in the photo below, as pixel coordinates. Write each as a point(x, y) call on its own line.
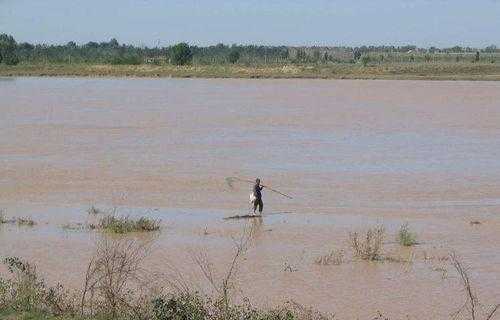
point(247, 61)
point(369, 245)
point(21, 221)
point(405, 237)
point(127, 224)
point(334, 257)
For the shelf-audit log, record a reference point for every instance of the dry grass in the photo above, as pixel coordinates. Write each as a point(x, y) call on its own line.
point(368, 246)
point(416, 71)
point(224, 284)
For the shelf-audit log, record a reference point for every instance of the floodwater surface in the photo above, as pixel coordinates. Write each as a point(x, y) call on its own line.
point(352, 154)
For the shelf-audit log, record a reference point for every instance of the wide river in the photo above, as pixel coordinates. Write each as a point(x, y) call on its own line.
point(352, 154)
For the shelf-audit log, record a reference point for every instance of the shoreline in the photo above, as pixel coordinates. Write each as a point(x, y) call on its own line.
point(404, 71)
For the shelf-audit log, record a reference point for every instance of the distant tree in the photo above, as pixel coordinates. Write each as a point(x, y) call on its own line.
point(357, 54)
point(316, 55)
point(181, 54)
point(8, 48)
point(234, 55)
point(92, 44)
point(301, 55)
point(113, 43)
point(490, 49)
point(325, 57)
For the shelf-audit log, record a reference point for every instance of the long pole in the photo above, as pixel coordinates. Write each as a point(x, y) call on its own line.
point(267, 187)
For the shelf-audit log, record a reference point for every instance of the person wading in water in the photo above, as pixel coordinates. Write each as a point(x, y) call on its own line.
point(257, 193)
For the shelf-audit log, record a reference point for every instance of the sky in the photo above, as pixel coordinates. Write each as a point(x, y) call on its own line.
point(425, 23)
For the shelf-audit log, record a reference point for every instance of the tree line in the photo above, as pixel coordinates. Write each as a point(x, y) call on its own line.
point(112, 52)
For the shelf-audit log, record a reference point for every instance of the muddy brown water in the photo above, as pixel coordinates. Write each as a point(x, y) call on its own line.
point(353, 154)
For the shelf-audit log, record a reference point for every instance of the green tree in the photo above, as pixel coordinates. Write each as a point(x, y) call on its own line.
point(8, 49)
point(181, 54)
point(490, 49)
point(356, 54)
point(234, 55)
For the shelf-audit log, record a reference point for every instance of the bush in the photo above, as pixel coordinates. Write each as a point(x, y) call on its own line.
point(405, 237)
point(370, 247)
point(181, 54)
point(126, 224)
point(183, 307)
point(26, 292)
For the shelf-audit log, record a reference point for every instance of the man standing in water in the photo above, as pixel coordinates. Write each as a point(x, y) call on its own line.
point(257, 193)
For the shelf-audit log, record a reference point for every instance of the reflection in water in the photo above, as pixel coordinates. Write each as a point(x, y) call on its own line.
point(256, 228)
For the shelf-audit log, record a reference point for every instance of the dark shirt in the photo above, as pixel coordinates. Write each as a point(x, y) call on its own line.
point(257, 191)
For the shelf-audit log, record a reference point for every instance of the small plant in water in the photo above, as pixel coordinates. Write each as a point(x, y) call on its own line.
point(368, 247)
point(126, 224)
point(25, 222)
point(405, 237)
point(93, 210)
point(3, 219)
point(335, 257)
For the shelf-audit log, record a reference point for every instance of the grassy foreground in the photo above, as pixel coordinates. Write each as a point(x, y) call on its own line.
point(396, 71)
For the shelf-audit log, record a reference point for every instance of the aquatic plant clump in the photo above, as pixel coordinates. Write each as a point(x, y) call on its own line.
point(405, 237)
point(368, 247)
point(335, 257)
point(25, 222)
point(19, 221)
point(126, 224)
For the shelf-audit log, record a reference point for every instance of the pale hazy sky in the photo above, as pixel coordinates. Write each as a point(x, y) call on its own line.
point(314, 22)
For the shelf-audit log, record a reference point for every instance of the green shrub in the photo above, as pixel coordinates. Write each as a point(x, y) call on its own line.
point(405, 237)
point(183, 307)
point(26, 292)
